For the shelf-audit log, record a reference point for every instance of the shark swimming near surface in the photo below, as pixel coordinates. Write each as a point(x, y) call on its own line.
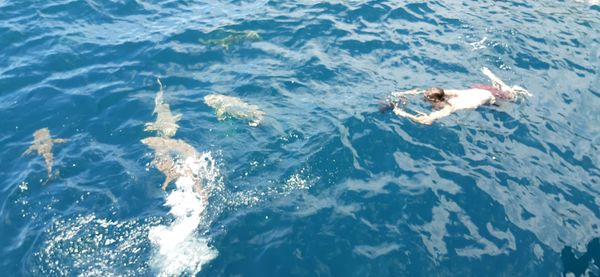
point(43, 143)
point(232, 106)
point(167, 152)
point(177, 147)
point(166, 122)
point(233, 37)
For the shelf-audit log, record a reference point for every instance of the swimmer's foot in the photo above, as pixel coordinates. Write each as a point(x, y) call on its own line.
point(520, 91)
point(516, 91)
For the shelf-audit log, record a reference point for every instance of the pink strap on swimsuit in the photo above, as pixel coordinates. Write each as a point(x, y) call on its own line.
point(498, 93)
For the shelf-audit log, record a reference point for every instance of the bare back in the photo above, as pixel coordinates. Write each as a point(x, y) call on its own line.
point(469, 98)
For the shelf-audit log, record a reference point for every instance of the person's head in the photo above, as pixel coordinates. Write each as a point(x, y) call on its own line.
point(435, 96)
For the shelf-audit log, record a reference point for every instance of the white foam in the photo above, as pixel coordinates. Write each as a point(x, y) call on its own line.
point(180, 246)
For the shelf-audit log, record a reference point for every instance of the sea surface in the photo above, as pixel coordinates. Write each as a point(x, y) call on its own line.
point(326, 185)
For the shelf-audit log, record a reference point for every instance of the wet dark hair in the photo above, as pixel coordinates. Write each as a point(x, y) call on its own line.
point(436, 97)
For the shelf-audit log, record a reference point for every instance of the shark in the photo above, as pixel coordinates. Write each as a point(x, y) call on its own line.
point(43, 143)
point(232, 106)
point(234, 37)
point(166, 153)
point(170, 146)
point(166, 122)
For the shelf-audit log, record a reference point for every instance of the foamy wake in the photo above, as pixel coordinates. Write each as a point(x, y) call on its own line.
point(180, 245)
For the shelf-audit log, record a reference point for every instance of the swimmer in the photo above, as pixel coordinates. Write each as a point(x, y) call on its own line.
point(448, 101)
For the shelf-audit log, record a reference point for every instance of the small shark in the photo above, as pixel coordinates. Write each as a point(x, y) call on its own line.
point(233, 106)
point(166, 122)
point(42, 143)
point(234, 37)
point(167, 150)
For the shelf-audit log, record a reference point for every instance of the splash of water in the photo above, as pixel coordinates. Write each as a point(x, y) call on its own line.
point(180, 245)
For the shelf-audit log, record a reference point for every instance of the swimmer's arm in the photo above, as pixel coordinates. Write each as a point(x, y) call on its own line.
point(408, 92)
point(426, 118)
point(400, 112)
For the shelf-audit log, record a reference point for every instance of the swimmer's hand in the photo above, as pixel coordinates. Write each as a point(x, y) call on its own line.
point(424, 119)
point(520, 91)
point(400, 112)
point(421, 118)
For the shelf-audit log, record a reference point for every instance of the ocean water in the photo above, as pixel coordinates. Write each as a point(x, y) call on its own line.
point(326, 185)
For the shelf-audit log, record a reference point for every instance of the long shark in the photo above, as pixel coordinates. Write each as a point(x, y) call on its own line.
point(232, 106)
point(166, 122)
point(166, 153)
point(43, 143)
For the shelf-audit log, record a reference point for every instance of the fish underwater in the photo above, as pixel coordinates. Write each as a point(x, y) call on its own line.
point(167, 153)
point(166, 122)
point(233, 37)
point(232, 106)
point(43, 143)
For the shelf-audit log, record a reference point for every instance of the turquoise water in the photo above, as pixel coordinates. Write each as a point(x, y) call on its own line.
point(326, 185)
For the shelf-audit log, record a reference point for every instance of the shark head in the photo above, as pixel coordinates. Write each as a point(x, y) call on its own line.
point(41, 134)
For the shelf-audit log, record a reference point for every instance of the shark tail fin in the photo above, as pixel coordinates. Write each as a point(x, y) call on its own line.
point(51, 176)
point(159, 95)
point(166, 183)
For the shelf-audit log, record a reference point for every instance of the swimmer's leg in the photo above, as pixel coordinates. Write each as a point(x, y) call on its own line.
point(496, 82)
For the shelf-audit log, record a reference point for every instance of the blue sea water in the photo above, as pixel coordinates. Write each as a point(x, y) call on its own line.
point(326, 185)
